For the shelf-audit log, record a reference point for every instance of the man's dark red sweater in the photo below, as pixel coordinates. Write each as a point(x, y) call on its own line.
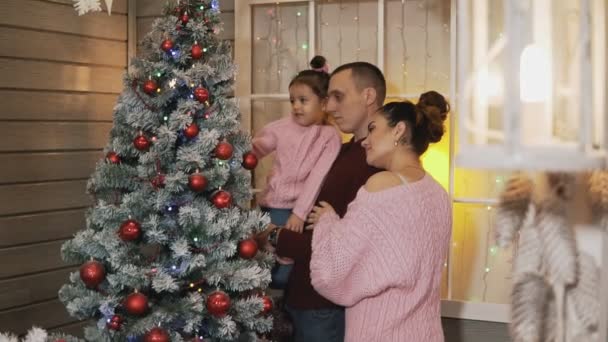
point(348, 173)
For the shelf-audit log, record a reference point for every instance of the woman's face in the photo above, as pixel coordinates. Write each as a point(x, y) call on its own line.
point(380, 141)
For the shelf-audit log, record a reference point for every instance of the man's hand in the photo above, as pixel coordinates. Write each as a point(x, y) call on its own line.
point(317, 212)
point(294, 223)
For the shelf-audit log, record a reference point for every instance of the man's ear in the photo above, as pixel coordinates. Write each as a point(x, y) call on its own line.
point(370, 96)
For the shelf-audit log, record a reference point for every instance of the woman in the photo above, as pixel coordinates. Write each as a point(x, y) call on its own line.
point(383, 261)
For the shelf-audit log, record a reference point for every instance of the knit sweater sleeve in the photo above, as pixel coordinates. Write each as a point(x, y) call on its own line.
point(313, 182)
point(345, 265)
point(265, 141)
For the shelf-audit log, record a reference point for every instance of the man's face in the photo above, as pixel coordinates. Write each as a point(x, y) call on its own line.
point(346, 103)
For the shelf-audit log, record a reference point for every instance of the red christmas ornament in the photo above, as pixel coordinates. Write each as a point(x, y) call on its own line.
point(197, 182)
point(156, 335)
point(196, 51)
point(136, 304)
point(218, 303)
point(141, 143)
point(222, 199)
point(158, 181)
point(184, 18)
point(201, 94)
point(248, 248)
point(92, 273)
point(130, 230)
point(267, 305)
point(223, 151)
point(250, 161)
point(150, 87)
point(191, 131)
point(113, 157)
point(166, 45)
point(115, 323)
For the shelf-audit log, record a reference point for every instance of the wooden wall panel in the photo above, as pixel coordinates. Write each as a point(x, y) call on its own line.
point(48, 16)
point(45, 136)
point(33, 288)
point(74, 329)
point(30, 259)
point(53, 46)
point(57, 76)
point(118, 6)
point(63, 106)
point(30, 198)
point(46, 315)
point(35, 167)
point(40, 227)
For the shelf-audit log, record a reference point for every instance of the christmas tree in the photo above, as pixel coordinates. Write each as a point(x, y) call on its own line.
point(167, 253)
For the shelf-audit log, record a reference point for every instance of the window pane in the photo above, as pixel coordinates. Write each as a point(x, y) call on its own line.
point(480, 270)
point(347, 30)
point(280, 45)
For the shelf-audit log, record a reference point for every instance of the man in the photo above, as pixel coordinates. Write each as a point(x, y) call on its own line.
point(356, 90)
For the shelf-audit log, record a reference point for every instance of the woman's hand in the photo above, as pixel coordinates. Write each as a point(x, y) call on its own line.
point(294, 223)
point(317, 212)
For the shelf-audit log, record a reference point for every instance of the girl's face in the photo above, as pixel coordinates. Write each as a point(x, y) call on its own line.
point(380, 141)
point(306, 107)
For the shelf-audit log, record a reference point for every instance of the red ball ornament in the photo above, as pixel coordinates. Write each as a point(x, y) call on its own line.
point(130, 230)
point(250, 161)
point(150, 87)
point(113, 157)
point(141, 143)
point(184, 18)
point(201, 94)
point(166, 45)
point(222, 199)
point(267, 305)
point(197, 182)
point(157, 335)
point(158, 181)
point(223, 151)
point(218, 303)
point(196, 51)
point(136, 304)
point(115, 323)
point(248, 248)
point(92, 273)
point(191, 131)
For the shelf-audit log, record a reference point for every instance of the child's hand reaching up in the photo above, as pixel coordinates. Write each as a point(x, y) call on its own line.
point(294, 223)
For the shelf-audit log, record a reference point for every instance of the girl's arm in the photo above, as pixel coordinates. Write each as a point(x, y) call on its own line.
point(265, 141)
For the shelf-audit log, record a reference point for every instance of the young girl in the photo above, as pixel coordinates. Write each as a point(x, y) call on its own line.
point(306, 146)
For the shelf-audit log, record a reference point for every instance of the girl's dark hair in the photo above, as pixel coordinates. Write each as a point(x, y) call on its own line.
point(318, 81)
point(424, 119)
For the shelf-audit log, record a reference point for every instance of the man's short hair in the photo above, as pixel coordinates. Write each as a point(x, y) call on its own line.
point(366, 75)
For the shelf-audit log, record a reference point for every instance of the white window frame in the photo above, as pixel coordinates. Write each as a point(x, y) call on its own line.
point(243, 91)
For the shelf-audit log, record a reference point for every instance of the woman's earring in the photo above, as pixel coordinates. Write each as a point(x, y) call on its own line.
point(396, 143)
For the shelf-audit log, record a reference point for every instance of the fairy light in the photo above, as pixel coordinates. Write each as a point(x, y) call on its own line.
point(404, 47)
point(427, 55)
point(356, 19)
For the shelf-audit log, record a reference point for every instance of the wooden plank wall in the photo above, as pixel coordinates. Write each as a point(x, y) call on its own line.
point(61, 75)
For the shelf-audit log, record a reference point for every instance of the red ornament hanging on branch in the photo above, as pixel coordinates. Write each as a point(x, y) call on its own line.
point(158, 181)
point(218, 303)
point(250, 161)
point(201, 94)
point(141, 142)
point(150, 87)
point(223, 150)
point(191, 131)
point(248, 248)
point(115, 323)
point(92, 273)
point(222, 199)
point(197, 182)
point(166, 45)
point(113, 157)
point(184, 18)
point(196, 52)
point(156, 335)
point(136, 304)
point(267, 305)
point(130, 230)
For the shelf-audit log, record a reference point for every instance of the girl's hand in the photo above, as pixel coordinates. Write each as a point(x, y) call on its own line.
point(262, 238)
point(294, 223)
point(317, 212)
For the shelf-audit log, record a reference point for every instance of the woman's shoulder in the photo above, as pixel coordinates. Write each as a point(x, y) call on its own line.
point(382, 180)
